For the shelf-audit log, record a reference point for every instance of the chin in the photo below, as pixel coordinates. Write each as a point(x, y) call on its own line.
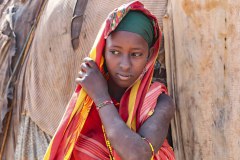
point(124, 84)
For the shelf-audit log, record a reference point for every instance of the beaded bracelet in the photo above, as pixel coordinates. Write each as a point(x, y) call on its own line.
point(104, 103)
point(151, 146)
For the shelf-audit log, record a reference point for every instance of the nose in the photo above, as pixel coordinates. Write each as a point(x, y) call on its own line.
point(125, 63)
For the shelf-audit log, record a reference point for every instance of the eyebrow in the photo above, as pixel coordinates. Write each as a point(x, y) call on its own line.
point(116, 46)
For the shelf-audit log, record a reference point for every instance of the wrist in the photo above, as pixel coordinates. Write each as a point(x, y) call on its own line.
point(103, 104)
point(100, 100)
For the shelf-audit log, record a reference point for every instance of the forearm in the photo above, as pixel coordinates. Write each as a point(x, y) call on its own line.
point(151, 128)
point(128, 144)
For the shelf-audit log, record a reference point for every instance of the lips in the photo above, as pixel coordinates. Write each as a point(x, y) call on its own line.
point(123, 77)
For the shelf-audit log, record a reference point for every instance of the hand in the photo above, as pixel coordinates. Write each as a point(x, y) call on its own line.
point(92, 81)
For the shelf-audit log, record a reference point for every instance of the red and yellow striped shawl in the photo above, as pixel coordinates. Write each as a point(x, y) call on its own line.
point(78, 109)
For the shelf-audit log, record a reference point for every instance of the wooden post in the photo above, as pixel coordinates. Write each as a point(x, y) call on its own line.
point(203, 69)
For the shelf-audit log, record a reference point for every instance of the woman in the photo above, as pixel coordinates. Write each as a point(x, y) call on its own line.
point(116, 112)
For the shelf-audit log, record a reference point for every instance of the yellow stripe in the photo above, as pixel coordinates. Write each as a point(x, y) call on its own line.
point(69, 151)
point(47, 154)
point(81, 121)
point(131, 103)
point(101, 62)
point(134, 124)
point(100, 32)
point(94, 48)
point(78, 105)
point(93, 53)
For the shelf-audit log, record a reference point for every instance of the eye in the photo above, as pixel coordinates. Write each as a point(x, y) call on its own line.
point(136, 54)
point(115, 52)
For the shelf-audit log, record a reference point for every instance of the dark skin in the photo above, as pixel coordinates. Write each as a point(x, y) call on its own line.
point(126, 55)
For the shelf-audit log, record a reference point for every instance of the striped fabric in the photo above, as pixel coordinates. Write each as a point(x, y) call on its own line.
point(92, 148)
point(78, 109)
point(150, 101)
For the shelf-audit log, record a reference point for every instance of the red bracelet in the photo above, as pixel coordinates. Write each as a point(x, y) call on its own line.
point(104, 103)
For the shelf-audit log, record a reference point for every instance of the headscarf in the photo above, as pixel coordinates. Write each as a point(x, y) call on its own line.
point(137, 22)
point(78, 108)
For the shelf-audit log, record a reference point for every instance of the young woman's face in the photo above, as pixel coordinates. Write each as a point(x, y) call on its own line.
point(126, 55)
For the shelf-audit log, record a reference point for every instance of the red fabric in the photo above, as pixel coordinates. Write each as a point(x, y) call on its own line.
point(92, 130)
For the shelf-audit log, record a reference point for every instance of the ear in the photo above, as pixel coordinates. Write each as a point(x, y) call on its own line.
point(150, 53)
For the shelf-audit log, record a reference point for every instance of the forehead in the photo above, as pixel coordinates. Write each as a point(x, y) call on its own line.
point(126, 38)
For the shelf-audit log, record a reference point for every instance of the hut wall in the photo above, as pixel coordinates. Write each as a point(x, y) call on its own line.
point(203, 69)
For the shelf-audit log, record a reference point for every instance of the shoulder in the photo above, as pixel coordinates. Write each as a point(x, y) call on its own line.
point(165, 105)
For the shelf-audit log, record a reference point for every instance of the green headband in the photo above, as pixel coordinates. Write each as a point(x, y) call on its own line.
point(137, 22)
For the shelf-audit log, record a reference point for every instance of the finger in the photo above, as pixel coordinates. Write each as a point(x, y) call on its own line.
point(84, 67)
point(89, 61)
point(78, 80)
point(80, 74)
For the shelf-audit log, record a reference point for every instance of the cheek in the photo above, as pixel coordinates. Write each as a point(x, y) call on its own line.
point(139, 66)
point(110, 64)
point(106, 58)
